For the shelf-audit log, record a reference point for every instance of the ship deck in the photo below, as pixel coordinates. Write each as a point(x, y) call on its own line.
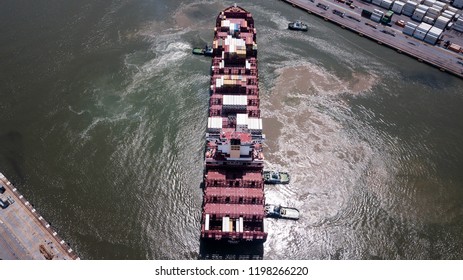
point(24, 234)
point(442, 58)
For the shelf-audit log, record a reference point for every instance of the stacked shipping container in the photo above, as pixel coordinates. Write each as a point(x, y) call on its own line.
point(233, 202)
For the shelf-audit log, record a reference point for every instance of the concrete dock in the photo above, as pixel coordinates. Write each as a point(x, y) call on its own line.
point(390, 36)
point(24, 233)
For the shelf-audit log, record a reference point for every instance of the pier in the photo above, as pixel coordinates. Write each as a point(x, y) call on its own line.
point(24, 233)
point(390, 36)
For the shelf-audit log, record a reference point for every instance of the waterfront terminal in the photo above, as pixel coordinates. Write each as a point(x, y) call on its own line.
point(428, 30)
point(24, 233)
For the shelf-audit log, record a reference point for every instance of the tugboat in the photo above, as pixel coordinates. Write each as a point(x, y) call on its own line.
point(276, 177)
point(298, 25)
point(206, 51)
point(278, 211)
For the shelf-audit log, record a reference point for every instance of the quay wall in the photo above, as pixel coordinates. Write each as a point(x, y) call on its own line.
point(40, 221)
point(423, 52)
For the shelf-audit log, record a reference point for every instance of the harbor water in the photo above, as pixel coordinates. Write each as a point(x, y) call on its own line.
point(103, 112)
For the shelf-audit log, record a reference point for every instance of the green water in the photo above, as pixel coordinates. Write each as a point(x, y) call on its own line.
point(103, 112)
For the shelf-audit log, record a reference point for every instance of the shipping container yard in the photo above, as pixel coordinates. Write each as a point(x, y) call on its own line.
point(24, 233)
point(429, 30)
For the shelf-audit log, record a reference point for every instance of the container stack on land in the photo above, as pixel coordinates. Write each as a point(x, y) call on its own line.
point(433, 12)
point(400, 31)
point(377, 15)
point(397, 7)
point(420, 12)
point(386, 4)
point(421, 31)
point(458, 25)
point(441, 22)
point(409, 8)
point(429, 3)
point(433, 35)
point(409, 28)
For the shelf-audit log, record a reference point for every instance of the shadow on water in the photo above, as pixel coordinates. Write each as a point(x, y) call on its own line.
point(222, 250)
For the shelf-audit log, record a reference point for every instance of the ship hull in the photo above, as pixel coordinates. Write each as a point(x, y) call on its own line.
point(233, 200)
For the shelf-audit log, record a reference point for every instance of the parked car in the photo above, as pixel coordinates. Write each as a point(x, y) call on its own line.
point(323, 6)
point(4, 204)
point(339, 13)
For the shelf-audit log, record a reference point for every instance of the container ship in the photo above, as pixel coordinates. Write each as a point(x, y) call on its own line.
point(233, 200)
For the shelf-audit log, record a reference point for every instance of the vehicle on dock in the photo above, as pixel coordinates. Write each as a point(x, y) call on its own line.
point(298, 26)
point(323, 6)
point(4, 204)
point(387, 18)
point(339, 13)
point(400, 23)
point(281, 212)
point(207, 51)
point(276, 177)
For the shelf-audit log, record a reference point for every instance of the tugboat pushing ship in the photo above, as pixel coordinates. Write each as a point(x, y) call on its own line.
point(233, 203)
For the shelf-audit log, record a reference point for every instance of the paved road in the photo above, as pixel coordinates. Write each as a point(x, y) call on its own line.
point(10, 248)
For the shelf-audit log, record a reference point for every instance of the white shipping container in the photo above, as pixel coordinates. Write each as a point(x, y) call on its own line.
point(375, 18)
point(457, 25)
point(419, 34)
point(429, 3)
point(428, 20)
point(397, 7)
point(423, 7)
point(439, 8)
point(410, 5)
point(433, 12)
point(409, 8)
point(448, 14)
point(441, 4)
point(431, 39)
point(408, 30)
point(441, 22)
point(386, 4)
point(418, 15)
point(424, 27)
point(458, 28)
point(435, 31)
point(453, 9)
point(408, 13)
